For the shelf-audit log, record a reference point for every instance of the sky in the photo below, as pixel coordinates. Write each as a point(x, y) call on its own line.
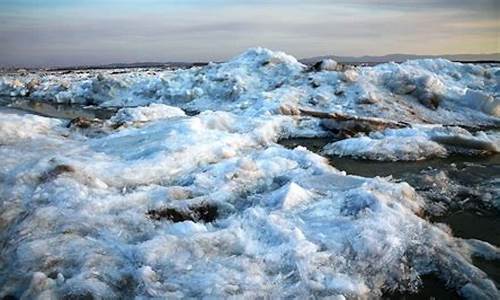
point(78, 32)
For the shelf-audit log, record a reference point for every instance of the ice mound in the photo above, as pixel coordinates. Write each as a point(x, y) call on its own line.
point(77, 213)
point(255, 58)
point(13, 88)
point(481, 101)
point(239, 85)
point(260, 81)
point(411, 144)
point(88, 88)
point(144, 114)
point(290, 196)
point(439, 83)
point(92, 91)
point(16, 128)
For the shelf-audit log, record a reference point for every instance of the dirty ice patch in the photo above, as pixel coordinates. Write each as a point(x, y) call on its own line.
point(416, 143)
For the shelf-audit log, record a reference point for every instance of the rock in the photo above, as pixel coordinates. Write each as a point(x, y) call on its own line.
point(325, 65)
point(289, 110)
point(369, 98)
point(315, 84)
point(205, 212)
point(429, 100)
point(339, 92)
point(350, 76)
point(32, 84)
point(56, 171)
point(80, 122)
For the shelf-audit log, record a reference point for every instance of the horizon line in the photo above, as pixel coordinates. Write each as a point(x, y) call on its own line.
point(194, 62)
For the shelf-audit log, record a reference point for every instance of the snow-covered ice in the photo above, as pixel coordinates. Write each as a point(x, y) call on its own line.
point(417, 143)
point(259, 81)
point(146, 113)
point(165, 205)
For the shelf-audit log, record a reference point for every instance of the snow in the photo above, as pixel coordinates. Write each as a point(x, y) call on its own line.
point(166, 205)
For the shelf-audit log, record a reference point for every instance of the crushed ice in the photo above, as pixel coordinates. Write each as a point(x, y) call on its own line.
point(161, 204)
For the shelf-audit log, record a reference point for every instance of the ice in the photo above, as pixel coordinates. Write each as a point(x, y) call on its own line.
point(260, 81)
point(143, 114)
point(482, 101)
point(15, 128)
point(290, 195)
point(411, 144)
point(288, 223)
point(165, 205)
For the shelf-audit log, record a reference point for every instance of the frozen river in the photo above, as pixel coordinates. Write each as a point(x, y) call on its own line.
point(258, 177)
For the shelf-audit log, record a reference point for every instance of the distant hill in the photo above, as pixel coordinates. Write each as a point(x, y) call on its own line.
point(491, 57)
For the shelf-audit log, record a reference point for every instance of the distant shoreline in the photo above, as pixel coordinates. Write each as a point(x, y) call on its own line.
point(363, 60)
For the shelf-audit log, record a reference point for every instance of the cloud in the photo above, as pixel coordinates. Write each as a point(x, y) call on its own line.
point(89, 31)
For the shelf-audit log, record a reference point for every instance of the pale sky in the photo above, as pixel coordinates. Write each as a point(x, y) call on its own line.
point(75, 32)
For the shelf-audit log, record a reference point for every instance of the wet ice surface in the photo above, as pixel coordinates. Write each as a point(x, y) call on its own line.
point(416, 143)
point(159, 202)
point(467, 186)
point(63, 111)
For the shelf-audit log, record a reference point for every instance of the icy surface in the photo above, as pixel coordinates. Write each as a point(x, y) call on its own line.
point(259, 81)
point(146, 113)
point(288, 223)
point(165, 205)
point(417, 143)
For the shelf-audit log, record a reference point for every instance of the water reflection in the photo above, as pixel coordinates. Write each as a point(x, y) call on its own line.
point(55, 110)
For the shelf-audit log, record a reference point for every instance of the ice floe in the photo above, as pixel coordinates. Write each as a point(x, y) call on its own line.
point(416, 143)
point(143, 114)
